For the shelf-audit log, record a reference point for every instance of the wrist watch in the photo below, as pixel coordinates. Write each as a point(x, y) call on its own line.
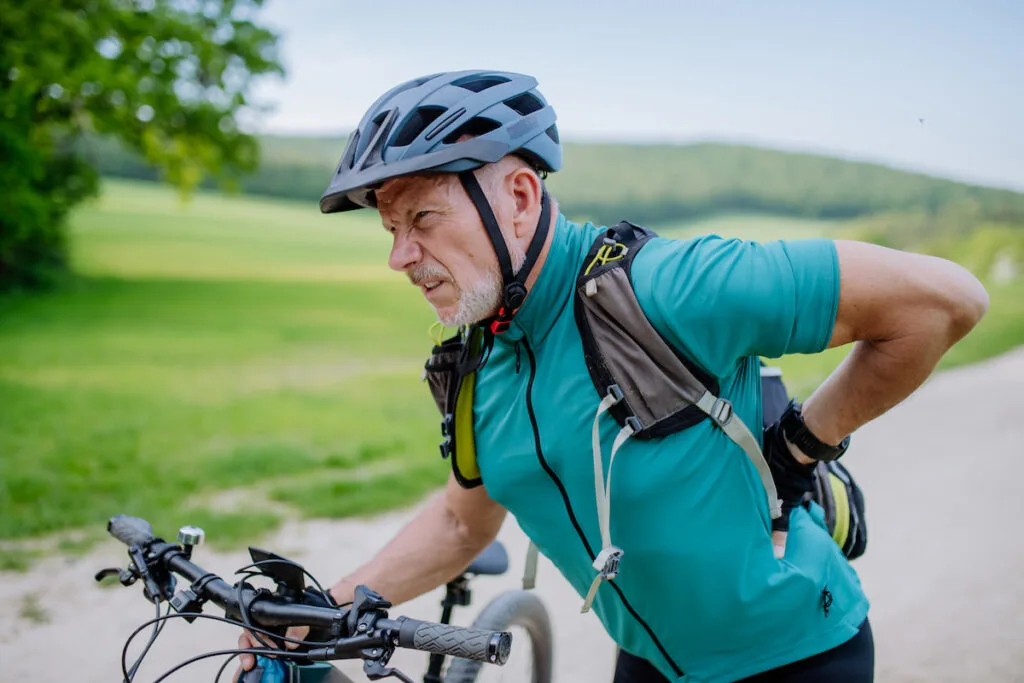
point(796, 432)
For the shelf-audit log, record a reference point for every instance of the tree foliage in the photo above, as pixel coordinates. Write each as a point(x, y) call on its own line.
point(169, 79)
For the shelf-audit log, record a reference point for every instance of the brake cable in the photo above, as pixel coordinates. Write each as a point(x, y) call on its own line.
point(244, 609)
point(212, 617)
point(158, 625)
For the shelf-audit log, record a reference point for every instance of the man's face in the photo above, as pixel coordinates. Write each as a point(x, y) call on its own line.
point(440, 243)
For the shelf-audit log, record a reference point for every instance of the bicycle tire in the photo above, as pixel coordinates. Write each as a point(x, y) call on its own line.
point(512, 608)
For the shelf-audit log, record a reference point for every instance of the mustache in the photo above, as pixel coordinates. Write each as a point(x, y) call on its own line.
point(428, 271)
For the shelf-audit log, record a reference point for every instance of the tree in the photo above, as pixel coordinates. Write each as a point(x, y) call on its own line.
point(169, 78)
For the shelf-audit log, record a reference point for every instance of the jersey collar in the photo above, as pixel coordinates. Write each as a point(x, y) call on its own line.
point(551, 291)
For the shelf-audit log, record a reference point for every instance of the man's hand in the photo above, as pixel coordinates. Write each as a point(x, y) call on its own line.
point(903, 311)
point(248, 640)
point(428, 552)
point(792, 472)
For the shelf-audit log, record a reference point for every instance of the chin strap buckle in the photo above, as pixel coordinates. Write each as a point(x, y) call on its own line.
point(502, 321)
point(500, 326)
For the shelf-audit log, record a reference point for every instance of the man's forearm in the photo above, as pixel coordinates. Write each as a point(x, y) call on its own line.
point(874, 377)
point(903, 311)
point(428, 552)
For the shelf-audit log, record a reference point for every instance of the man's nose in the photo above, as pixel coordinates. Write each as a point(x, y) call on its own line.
point(405, 253)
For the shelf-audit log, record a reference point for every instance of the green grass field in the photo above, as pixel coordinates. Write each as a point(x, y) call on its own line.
point(228, 344)
point(144, 231)
point(234, 361)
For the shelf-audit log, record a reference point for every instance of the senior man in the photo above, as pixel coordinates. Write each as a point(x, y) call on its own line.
point(705, 587)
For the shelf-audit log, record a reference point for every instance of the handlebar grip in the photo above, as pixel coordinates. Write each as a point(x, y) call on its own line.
point(130, 530)
point(470, 643)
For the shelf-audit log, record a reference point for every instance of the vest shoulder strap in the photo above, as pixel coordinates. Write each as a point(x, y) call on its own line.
point(649, 385)
point(660, 385)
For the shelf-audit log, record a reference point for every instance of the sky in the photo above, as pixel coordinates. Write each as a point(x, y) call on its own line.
point(933, 86)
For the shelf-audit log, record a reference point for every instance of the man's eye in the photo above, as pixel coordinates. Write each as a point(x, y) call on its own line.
point(422, 214)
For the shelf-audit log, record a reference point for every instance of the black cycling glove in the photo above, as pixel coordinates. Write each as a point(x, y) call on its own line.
point(793, 479)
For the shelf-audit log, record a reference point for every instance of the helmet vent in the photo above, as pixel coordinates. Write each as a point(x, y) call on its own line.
point(478, 83)
point(524, 104)
point(552, 132)
point(473, 128)
point(348, 159)
point(371, 131)
point(416, 124)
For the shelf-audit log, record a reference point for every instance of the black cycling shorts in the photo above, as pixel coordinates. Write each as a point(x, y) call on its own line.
point(851, 662)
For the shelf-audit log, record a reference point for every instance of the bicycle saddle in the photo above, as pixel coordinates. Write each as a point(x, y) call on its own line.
point(492, 561)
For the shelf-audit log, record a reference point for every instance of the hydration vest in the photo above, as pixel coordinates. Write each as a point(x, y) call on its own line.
point(650, 388)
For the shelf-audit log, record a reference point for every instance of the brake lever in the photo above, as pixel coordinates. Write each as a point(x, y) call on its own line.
point(126, 576)
point(375, 670)
point(109, 571)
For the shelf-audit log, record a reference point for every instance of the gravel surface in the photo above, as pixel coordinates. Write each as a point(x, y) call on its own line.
point(944, 479)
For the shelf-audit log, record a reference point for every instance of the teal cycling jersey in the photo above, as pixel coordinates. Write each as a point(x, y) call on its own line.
point(699, 592)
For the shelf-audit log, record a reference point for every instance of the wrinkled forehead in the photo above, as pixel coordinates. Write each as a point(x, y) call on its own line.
point(408, 192)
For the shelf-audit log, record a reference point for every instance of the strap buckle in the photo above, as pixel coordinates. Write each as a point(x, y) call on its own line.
point(607, 565)
point(502, 321)
point(607, 562)
point(721, 412)
point(633, 422)
point(447, 431)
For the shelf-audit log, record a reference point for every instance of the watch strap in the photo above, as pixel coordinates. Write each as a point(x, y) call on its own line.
point(796, 432)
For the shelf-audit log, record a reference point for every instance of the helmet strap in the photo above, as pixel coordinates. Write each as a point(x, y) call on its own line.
point(513, 284)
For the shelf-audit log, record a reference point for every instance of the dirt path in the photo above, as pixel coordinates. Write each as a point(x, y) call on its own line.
point(945, 567)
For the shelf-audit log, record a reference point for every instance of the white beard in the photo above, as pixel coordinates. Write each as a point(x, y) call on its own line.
point(482, 299)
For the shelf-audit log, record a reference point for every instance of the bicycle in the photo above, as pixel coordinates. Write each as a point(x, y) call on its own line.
point(361, 629)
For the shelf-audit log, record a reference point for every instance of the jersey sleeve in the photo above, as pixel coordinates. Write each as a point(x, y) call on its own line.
point(719, 300)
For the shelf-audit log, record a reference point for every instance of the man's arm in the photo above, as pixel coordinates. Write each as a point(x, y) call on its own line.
point(903, 311)
point(432, 549)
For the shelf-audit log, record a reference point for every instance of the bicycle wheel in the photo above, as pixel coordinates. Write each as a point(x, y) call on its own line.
point(515, 610)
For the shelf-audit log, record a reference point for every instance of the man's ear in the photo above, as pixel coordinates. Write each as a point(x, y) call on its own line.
point(526, 193)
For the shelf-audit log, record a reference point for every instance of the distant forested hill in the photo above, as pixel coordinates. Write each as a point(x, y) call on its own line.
point(657, 183)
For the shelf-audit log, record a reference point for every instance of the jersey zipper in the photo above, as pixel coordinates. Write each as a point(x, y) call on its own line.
point(568, 506)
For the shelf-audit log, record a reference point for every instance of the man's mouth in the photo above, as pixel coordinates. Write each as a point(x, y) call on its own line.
point(428, 279)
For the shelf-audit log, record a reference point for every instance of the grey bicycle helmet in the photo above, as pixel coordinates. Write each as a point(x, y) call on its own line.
point(417, 126)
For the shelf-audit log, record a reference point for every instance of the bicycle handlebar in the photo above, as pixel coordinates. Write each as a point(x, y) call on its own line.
point(130, 530)
point(273, 610)
point(443, 639)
